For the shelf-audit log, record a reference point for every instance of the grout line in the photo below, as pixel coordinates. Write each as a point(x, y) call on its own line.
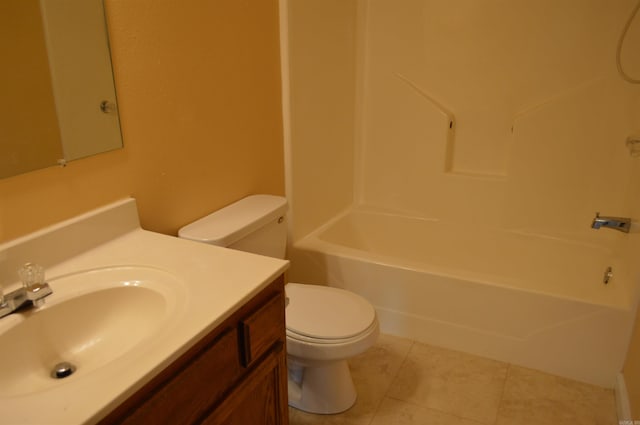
point(391, 382)
point(379, 404)
point(504, 389)
point(402, 363)
point(404, 360)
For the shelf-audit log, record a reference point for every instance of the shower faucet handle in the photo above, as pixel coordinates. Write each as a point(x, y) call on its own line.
point(622, 224)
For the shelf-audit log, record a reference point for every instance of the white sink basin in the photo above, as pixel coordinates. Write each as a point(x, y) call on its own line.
point(91, 319)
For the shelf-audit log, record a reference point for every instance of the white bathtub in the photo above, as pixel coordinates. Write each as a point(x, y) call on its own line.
point(534, 301)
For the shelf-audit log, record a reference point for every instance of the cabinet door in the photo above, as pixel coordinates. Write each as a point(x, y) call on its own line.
point(189, 393)
point(260, 399)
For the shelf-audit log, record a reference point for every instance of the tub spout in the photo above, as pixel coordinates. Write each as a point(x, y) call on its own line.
point(622, 224)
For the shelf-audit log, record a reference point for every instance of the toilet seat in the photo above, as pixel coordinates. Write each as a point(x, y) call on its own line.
point(309, 319)
point(329, 342)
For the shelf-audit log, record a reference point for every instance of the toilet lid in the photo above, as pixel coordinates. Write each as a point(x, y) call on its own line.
point(326, 313)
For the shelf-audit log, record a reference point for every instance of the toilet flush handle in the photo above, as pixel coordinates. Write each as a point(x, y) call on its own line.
point(286, 301)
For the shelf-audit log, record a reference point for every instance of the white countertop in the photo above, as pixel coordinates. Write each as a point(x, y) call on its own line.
point(217, 281)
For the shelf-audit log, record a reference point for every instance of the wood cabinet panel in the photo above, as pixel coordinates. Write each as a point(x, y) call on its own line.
point(260, 329)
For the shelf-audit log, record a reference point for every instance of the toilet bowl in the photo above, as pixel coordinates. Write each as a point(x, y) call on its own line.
point(325, 326)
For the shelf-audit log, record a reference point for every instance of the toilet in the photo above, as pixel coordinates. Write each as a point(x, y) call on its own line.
point(325, 326)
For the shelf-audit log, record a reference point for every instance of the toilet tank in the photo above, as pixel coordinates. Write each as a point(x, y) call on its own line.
point(255, 224)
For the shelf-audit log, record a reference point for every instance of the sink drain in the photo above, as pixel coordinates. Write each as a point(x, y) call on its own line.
point(62, 370)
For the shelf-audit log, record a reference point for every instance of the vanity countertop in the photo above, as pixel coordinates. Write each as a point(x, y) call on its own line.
point(214, 283)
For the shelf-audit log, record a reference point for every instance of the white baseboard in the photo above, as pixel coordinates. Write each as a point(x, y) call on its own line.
point(622, 399)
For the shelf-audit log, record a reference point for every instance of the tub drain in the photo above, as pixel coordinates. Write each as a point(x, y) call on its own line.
point(62, 370)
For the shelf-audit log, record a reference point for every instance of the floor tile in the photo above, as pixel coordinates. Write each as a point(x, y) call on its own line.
point(400, 382)
point(451, 382)
point(372, 372)
point(537, 398)
point(396, 412)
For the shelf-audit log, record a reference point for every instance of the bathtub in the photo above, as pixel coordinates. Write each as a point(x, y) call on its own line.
point(530, 300)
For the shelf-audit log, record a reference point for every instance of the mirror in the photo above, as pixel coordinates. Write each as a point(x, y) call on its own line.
point(58, 95)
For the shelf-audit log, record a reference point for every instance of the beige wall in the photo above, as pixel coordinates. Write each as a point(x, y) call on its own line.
point(322, 57)
point(27, 109)
point(632, 371)
point(199, 95)
point(631, 368)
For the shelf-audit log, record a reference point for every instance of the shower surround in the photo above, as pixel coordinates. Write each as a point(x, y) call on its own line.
point(445, 160)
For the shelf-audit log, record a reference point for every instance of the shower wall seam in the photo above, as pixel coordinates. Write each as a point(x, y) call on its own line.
point(286, 108)
point(360, 82)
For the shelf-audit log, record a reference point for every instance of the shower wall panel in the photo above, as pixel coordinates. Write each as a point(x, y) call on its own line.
point(322, 67)
point(507, 114)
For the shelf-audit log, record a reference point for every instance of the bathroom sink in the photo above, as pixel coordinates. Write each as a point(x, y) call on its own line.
point(92, 318)
point(126, 304)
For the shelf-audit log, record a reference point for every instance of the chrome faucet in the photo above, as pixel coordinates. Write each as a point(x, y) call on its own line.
point(622, 224)
point(32, 294)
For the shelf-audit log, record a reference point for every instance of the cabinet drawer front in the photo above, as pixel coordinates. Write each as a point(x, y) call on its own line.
point(261, 329)
point(196, 387)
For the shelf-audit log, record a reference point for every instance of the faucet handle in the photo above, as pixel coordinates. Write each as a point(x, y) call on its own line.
point(32, 275)
point(36, 289)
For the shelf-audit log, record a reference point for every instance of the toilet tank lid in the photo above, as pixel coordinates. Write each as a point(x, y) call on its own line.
point(235, 221)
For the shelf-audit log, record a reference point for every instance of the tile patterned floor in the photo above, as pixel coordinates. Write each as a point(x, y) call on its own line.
point(408, 383)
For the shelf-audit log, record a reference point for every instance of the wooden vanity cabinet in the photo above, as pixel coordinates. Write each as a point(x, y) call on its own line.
point(235, 375)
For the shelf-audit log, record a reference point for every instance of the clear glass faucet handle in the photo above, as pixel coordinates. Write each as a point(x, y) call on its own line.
point(31, 274)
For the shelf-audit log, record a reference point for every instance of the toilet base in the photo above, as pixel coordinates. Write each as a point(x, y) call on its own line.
point(325, 389)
